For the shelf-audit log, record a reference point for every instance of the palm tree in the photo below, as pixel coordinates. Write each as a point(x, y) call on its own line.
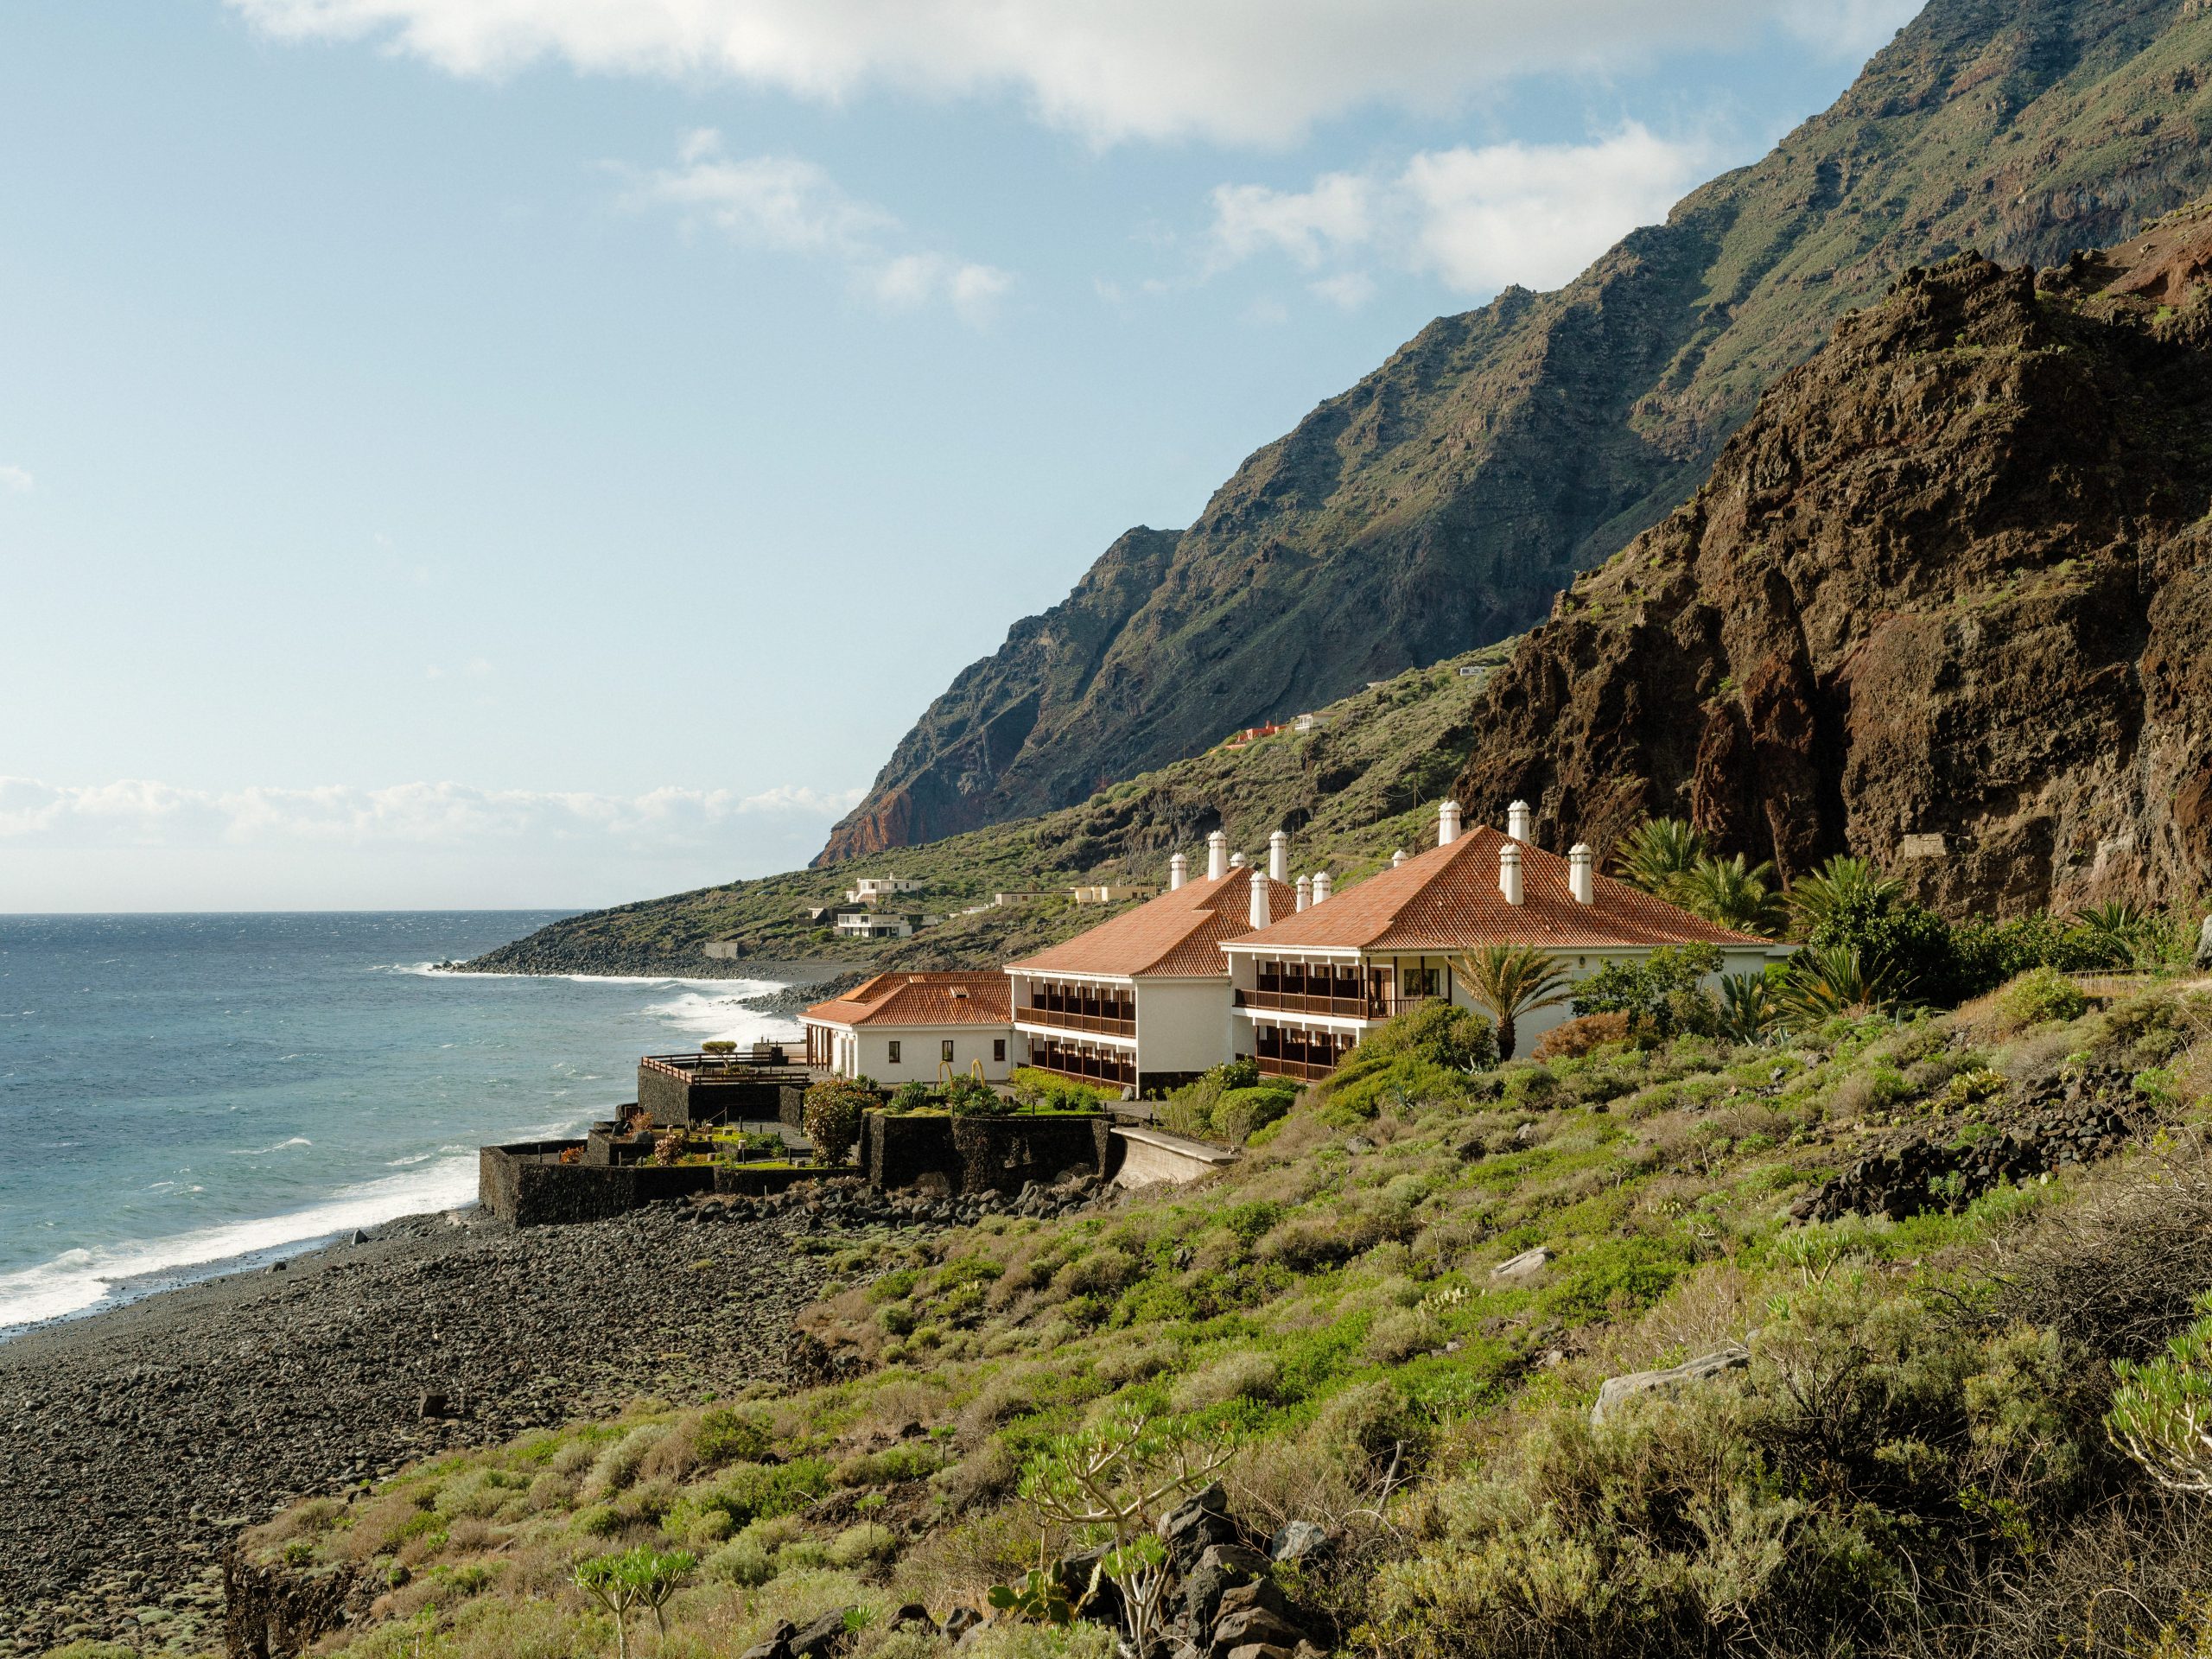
point(1511, 980)
point(1659, 853)
point(1840, 881)
point(1748, 1011)
point(2117, 929)
point(1827, 980)
point(1732, 892)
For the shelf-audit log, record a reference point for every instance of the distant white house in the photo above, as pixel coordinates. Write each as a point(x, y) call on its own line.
point(874, 889)
point(1113, 893)
point(874, 924)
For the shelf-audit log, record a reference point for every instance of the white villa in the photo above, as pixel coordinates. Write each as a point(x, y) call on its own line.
point(874, 889)
point(915, 1028)
point(1309, 986)
point(1143, 1001)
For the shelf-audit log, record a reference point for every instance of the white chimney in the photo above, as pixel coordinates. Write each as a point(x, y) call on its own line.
point(1397, 858)
point(1321, 888)
point(1279, 857)
point(1447, 822)
point(1509, 871)
point(1305, 892)
point(1217, 856)
point(1236, 860)
point(1517, 824)
point(1178, 872)
point(1259, 916)
point(1578, 874)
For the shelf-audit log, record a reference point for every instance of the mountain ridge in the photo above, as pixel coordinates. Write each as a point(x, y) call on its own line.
point(1442, 501)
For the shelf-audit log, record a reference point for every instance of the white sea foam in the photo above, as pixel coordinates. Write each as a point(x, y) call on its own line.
point(79, 1280)
point(724, 1017)
point(257, 1152)
point(432, 970)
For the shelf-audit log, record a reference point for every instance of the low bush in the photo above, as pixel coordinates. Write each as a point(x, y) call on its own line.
point(1573, 1039)
point(2041, 997)
point(832, 1115)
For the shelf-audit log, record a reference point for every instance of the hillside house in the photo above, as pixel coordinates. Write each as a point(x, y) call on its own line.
point(1113, 893)
point(875, 925)
point(1143, 1001)
point(874, 890)
point(1306, 988)
point(911, 1028)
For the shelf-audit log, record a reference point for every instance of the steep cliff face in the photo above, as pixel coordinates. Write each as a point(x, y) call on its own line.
point(1444, 500)
point(1945, 600)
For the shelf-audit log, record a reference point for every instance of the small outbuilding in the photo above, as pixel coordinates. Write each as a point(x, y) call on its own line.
point(912, 1027)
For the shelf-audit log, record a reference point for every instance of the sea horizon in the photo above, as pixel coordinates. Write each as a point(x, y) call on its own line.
point(191, 1092)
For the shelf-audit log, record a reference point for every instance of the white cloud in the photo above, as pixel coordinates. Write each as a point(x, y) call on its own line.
point(1477, 218)
point(1240, 70)
point(1338, 213)
point(785, 205)
point(136, 813)
point(1349, 289)
point(15, 480)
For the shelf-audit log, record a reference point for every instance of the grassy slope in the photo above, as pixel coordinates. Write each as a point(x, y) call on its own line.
point(1912, 1462)
point(1351, 792)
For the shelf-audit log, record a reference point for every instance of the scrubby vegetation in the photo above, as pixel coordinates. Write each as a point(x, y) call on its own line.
point(1914, 1457)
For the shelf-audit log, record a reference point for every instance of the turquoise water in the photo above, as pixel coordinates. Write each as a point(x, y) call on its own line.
point(180, 1092)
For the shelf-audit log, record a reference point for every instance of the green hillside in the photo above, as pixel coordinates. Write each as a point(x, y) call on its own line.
point(1362, 784)
point(1897, 1445)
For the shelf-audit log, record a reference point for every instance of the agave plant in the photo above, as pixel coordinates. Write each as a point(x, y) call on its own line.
point(1659, 853)
point(1815, 898)
point(1511, 980)
point(1733, 892)
point(1748, 1008)
point(1826, 980)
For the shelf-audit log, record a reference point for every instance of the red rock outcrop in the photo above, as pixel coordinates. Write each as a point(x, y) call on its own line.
point(1945, 600)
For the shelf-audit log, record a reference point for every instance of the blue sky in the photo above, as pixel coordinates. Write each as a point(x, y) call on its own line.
point(521, 452)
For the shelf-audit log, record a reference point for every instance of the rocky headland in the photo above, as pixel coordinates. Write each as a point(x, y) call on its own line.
point(1945, 602)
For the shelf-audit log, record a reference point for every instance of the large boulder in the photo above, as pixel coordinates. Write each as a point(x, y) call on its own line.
point(2204, 945)
point(1671, 1380)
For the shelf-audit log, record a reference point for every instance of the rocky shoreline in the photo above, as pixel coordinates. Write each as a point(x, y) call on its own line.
point(137, 1442)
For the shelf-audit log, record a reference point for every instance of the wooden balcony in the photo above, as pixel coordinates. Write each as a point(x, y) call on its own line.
point(1102, 1025)
point(1067, 1061)
point(1353, 1007)
point(1304, 1056)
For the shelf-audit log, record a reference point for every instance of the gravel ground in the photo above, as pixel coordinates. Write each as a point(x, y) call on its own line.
point(133, 1443)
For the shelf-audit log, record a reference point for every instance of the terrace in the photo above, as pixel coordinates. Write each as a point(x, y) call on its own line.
point(1104, 1010)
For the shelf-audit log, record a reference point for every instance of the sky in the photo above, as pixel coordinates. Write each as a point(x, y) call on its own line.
point(482, 453)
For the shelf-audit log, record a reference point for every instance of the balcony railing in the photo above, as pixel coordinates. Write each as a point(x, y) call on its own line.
point(1106, 1025)
point(1087, 1068)
point(1305, 1070)
point(1349, 1007)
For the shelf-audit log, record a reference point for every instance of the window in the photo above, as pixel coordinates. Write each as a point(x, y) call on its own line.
point(945, 1050)
point(894, 1053)
point(1421, 982)
point(998, 1048)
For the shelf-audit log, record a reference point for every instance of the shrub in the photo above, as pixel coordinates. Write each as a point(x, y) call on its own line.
point(908, 1097)
point(833, 1116)
point(859, 1545)
point(1241, 1111)
point(732, 1434)
point(1573, 1039)
point(1438, 1034)
point(972, 1097)
point(2041, 997)
point(1659, 995)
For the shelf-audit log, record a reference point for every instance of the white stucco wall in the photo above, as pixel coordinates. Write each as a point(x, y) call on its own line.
point(1182, 1025)
point(866, 1051)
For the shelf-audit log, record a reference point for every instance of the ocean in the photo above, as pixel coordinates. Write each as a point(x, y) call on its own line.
point(184, 1094)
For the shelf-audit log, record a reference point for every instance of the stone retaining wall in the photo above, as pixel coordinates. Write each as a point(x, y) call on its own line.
point(528, 1186)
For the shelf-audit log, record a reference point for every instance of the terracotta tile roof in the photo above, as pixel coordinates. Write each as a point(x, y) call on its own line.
point(962, 999)
point(1177, 935)
point(1447, 899)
